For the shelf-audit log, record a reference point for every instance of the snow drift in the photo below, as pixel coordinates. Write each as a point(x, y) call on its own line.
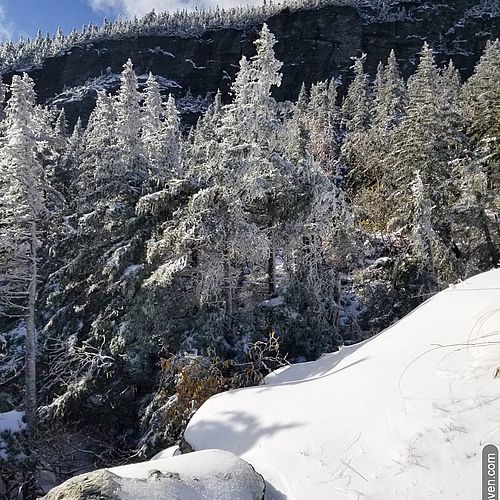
point(402, 415)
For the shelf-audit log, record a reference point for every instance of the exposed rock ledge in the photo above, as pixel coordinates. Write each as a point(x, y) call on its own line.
point(209, 474)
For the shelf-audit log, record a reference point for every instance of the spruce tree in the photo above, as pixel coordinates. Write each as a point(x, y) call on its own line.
point(22, 207)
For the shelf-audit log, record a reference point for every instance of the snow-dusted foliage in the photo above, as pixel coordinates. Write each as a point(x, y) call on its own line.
point(22, 206)
point(313, 223)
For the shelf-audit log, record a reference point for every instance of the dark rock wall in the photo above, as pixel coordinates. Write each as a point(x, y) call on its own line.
point(314, 45)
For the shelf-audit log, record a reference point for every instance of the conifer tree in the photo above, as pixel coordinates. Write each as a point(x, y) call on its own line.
point(323, 124)
point(426, 142)
point(295, 132)
point(128, 128)
point(356, 105)
point(389, 96)
point(22, 207)
point(160, 134)
point(356, 118)
point(480, 96)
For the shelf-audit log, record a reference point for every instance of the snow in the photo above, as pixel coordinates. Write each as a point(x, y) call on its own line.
point(12, 421)
point(12, 350)
point(103, 82)
point(130, 270)
point(159, 50)
point(173, 451)
point(190, 61)
point(164, 84)
point(402, 415)
point(209, 474)
point(107, 82)
point(192, 104)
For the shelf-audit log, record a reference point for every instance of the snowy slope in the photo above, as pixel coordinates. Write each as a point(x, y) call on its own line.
point(403, 415)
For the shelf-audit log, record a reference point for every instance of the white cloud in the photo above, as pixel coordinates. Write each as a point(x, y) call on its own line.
point(132, 8)
point(7, 29)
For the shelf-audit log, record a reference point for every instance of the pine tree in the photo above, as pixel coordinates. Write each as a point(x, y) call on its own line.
point(481, 95)
point(368, 151)
point(323, 124)
point(427, 140)
point(128, 128)
point(102, 172)
point(356, 105)
point(389, 96)
point(205, 138)
point(22, 207)
point(295, 137)
point(356, 119)
point(160, 134)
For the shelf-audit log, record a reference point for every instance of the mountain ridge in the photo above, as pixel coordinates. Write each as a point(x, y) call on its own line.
point(314, 44)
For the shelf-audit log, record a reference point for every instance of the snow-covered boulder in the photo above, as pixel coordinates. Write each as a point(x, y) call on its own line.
point(404, 415)
point(204, 475)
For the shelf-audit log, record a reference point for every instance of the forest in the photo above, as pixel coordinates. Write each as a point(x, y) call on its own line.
point(145, 266)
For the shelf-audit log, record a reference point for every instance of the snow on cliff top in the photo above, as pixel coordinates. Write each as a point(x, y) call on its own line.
point(403, 415)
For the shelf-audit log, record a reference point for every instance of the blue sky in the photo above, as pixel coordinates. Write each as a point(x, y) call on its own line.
point(25, 17)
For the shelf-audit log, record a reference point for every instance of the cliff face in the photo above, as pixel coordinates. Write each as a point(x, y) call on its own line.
point(314, 45)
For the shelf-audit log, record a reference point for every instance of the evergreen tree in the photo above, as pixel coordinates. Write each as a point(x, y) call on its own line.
point(371, 149)
point(481, 95)
point(427, 140)
point(296, 131)
point(356, 105)
point(356, 120)
point(323, 125)
point(22, 206)
point(128, 128)
point(389, 96)
point(160, 134)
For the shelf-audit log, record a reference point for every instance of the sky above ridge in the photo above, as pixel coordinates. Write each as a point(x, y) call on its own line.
point(25, 17)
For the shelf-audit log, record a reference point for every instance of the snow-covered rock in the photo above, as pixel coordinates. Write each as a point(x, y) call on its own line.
point(403, 415)
point(12, 421)
point(204, 475)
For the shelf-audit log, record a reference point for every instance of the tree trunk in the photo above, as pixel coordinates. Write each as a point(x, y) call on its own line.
point(492, 249)
point(271, 269)
point(434, 284)
point(30, 369)
point(228, 293)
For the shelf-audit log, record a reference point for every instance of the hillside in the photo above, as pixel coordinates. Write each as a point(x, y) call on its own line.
point(144, 269)
point(315, 43)
point(402, 415)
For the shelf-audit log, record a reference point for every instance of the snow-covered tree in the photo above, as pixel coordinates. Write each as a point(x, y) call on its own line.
point(356, 118)
point(419, 142)
point(323, 124)
point(22, 206)
point(356, 105)
point(389, 96)
point(160, 134)
point(128, 127)
point(428, 138)
point(295, 136)
point(480, 95)
point(102, 171)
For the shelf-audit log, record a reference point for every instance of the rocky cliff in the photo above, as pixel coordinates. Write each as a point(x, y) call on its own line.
point(314, 44)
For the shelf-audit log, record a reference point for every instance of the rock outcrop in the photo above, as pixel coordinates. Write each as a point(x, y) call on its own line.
point(201, 475)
